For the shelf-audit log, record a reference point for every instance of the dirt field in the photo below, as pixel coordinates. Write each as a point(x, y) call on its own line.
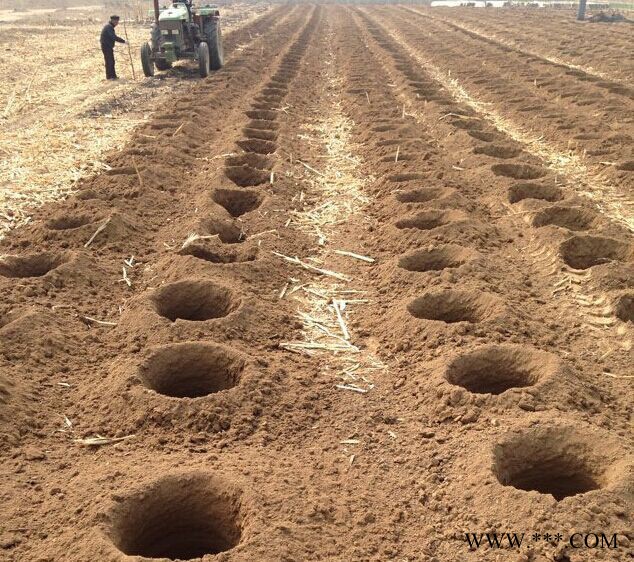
point(55, 132)
point(366, 293)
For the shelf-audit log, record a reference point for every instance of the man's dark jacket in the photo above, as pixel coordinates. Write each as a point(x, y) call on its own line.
point(108, 37)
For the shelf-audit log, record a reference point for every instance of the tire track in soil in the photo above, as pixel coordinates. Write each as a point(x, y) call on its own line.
point(583, 293)
point(389, 117)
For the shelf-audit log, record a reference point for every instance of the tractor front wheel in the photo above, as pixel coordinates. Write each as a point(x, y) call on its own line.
point(203, 59)
point(146, 60)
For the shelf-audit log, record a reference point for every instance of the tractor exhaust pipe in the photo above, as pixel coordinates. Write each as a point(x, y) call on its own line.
point(156, 11)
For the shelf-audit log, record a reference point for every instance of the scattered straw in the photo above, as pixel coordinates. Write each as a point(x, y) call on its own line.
point(356, 256)
point(310, 267)
point(618, 376)
point(338, 306)
point(99, 440)
point(125, 277)
point(90, 320)
point(193, 237)
point(101, 227)
point(352, 388)
point(138, 173)
point(311, 168)
point(334, 195)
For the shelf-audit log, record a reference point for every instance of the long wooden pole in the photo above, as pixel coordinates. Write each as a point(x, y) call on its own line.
point(127, 42)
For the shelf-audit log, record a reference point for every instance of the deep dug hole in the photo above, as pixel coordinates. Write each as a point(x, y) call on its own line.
point(30, 265)
point(495, 369)
point(237, 202)
point(586, 251)
point(194, 300)
point(451, 306)
point(552, 460)
point(446, 256)
point(191, 370)
point(180, 517)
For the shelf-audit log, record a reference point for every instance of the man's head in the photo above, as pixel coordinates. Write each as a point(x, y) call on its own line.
point(114, 20)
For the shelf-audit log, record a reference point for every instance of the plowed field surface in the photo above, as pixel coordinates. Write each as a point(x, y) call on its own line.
point(363, 294)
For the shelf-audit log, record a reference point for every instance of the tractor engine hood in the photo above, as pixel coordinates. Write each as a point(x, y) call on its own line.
point(174, 12)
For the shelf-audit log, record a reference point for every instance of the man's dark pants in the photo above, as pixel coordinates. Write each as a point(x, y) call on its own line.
point(108, 55)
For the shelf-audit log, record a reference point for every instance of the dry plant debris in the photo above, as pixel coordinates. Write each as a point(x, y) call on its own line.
point(336, 194)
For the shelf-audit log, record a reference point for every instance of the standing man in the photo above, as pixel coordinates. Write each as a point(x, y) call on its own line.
point(108, 38)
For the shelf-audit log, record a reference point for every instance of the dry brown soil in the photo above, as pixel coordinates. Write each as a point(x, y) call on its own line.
point(365, 290)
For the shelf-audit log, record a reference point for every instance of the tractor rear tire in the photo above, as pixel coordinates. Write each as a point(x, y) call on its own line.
point(213, 34)
point(163, 64)
point(146, 60)
point(203, 59)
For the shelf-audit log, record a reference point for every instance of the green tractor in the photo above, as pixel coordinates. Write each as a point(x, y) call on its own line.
point(184, 31)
